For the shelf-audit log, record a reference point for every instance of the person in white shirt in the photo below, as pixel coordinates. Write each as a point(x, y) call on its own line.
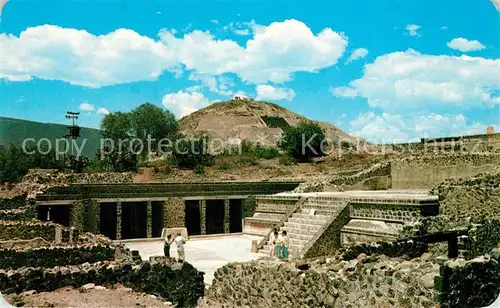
point(272, 242)
point(179, 242)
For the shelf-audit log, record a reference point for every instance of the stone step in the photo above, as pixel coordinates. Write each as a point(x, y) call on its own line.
point(322, 205)
point(301, 230)
point(301, 236)
point(323, 211)
point(317, 222)
point(306, 215)
point(301, 226)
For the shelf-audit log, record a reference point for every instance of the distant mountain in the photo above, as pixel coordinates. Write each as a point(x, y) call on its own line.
point(244, 119)
point(16, 130)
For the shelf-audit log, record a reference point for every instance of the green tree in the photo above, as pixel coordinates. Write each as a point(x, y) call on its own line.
point(304, 141)
point(149, 120)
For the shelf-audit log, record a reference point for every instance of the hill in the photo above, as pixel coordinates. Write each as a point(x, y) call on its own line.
point(244, 119)
point(16, 130)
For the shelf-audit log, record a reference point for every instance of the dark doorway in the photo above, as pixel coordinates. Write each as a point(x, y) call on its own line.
point(215, 216)
point(58, 213)
point(107, 222)
point(193, 220)
point(134, 220)
point(157, 218)
point(235, 215)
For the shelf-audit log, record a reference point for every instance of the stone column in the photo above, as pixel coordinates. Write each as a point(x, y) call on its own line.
point(118, 220)
point(203, 216)
point(149, 219)
point(97, 207)
point(227, 228)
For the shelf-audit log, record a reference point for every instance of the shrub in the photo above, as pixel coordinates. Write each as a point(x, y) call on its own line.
point(286, 160)
point(265, 152)
point(225, 166)
point(191, 153)
point(248, 160)
point(304, 141)
point(199, 169)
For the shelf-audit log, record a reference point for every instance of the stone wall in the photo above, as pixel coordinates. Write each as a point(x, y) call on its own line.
point(55, 256)
point(13, 202)
point(425, 171)
point(340, 182)
point(18, 214)
point(409, 249)
point(179, 283)
point(474, 283)
point(476, 197)
point(250, 206)
point(362, 282)
point(174, 213)
point(329, 241)
point(23, 230)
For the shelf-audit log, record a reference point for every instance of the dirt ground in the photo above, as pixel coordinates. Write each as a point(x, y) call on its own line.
point(116, 296)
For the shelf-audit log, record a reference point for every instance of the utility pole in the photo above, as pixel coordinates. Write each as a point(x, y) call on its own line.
point(73, 130)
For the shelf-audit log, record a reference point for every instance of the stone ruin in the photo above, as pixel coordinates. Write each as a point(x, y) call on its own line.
point(352, 245)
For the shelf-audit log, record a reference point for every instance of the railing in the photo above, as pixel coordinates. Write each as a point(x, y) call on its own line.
point(323, 228)
point(281, 223)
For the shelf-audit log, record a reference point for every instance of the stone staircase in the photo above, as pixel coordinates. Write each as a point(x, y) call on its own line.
point(304, 225)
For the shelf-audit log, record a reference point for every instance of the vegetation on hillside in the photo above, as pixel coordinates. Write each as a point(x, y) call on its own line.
point(304, 141)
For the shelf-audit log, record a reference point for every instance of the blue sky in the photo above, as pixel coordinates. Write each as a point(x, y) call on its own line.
point(383, 70)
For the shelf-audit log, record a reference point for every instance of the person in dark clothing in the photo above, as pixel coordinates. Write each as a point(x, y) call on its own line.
point(166, 246)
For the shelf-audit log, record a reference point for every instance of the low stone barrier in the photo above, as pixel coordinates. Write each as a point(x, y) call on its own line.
point(411, 249)
point(473, 283)
point(179, 283)
point(17, 214)
point(24, 230)
point(359, 283)
point(13, 202)
point(55, 256)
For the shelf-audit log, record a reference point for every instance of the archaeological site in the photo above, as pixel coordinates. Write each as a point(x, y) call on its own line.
point(400, 225)
point(250, 154)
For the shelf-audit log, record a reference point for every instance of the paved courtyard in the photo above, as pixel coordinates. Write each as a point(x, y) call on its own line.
point(206, 254)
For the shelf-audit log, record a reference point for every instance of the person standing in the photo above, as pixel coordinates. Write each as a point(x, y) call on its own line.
point(279, 242)
point(179, 242)
point(272, 242)
point(285, 242)
point(166, 246)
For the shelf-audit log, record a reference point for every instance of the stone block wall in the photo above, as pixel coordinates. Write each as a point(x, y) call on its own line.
point(363, 282)
point(24, 230)
point(250, 206)
point(13, 203)
point(410, 249)
point(55, 256)
point(174, 213)
point(18, 214)
point(473, 283)
point(329, 241)
point(339, 182)
point(179, 283)
point(425, 171)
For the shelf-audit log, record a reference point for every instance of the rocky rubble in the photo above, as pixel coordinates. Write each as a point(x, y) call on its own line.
point(361, 282)
point(338, 182)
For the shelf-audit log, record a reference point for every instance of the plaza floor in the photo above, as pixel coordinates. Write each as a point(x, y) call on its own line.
point(206, 254)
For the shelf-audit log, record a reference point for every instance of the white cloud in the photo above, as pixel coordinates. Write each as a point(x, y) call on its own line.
point(444, 28)
point(411, 80)
point(220, 85)
point(102, 111)
point(464, 45)
point(412, 30)
point(271, 55)
point(214, 21)
point(240, 94)
point(358, 53)
point(183, 103)
point(86, 107)
point(80, 58)
point(241, 28)
point(389, 128)
point(267, 92)
point(345, 92)
point(2, 4)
